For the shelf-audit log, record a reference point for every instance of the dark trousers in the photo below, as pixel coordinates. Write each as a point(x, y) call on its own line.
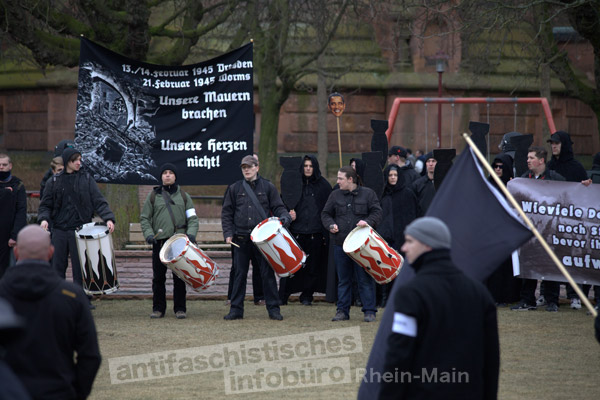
point(528, 291)
point(159, 278)
point(4, 254)
point(65, 244)
point(572, 294)
point(305, 279)
point(257, 288)
point(241, 259)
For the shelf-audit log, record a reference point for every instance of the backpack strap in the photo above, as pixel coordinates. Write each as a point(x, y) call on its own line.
point(153, 196)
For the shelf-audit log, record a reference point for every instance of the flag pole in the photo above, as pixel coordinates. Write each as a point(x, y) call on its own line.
point(526, 219)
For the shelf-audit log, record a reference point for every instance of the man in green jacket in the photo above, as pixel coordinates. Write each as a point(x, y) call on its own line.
point(158, 226)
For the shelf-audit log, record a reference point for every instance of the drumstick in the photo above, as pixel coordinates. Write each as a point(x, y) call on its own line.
point(236, 245)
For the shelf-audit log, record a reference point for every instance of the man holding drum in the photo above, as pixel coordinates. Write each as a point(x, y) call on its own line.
point(70, 199)
point(167, 210)
point(348, 207)
point(246, 203)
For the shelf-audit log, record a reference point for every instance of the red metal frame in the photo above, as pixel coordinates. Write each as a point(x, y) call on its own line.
point(467, 100)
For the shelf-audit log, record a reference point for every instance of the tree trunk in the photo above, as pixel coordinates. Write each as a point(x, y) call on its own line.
point(270, 105)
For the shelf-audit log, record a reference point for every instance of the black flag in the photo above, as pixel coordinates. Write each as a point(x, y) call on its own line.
point(485, 231)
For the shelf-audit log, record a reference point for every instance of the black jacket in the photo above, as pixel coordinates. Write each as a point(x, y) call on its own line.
point(58, 324)
point(409, 173)
point(456, 331)
point(399, 207)
point(13, 208)
point(345, 208)
point(85, 197)
point(565, 164)
point(547, 175)
point(315, 192)
point(425, 191)
point(239, 215)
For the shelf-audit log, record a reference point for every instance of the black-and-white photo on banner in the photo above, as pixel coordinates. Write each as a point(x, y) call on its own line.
point(132, 117)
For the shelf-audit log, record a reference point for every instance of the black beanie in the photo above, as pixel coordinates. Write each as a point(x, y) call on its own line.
point(68, 153)
point(165, 167)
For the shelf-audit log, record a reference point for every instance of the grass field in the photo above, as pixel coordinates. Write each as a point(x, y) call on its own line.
point(544, 355)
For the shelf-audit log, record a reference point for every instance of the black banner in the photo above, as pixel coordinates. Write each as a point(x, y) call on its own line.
point(133, 117)
point(567, 215)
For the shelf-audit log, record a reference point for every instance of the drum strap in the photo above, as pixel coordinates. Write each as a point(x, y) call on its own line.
point(168, 202)
point(252, 196)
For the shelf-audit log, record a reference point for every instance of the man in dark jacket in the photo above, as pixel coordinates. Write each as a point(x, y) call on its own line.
point(70, 200)
point(167, 210)
point(239, 217)
point(398, 155)
point(536, 162)
point(348, 207)
point(58, 355)
point(58, 150)
point(308, 232)
point(13, 210)
point(423, 187)
point(564, 163)
point(444, 340)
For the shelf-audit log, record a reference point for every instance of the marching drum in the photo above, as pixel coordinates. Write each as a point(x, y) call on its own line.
point(278, 246)
point(372, 252)
point(97, 259)
point(188, 262)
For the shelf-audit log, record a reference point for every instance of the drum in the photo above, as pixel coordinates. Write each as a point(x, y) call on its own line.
point(278, 246)
point(97, 259)
point(372, 252)
point(188, 262)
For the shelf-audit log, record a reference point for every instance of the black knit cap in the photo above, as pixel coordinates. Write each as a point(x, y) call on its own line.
point(68, 153)
point(168, 166)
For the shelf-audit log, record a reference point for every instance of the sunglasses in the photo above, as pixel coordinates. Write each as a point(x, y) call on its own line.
point(497, 166)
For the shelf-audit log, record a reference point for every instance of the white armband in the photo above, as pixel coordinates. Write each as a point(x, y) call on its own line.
point(189, 212)
point(404, 325)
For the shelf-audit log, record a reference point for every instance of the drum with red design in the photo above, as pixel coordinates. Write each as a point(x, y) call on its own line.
point(372, 252)
point(278, 246)
point(188, 262)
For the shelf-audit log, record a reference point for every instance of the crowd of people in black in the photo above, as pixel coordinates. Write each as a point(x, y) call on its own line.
point(320, 222)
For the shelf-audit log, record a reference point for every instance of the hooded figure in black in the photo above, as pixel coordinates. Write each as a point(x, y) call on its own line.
point(399, 206)
point(502, 284)
point(359, 167)
point(310, 235)
point(506, 162)
point(565, 163)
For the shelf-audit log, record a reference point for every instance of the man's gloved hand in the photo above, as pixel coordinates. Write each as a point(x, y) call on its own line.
point(192, 238)
point(150, 239)
point(285, 221)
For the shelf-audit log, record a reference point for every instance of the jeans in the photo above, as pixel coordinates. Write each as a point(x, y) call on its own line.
point(346, 268)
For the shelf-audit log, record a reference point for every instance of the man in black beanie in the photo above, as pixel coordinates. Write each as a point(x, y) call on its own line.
point(70, 199)
point(167, 210)
point(444, 339)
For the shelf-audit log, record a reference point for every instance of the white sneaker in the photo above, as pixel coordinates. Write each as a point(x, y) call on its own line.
point(575, 304)
point(541, 301)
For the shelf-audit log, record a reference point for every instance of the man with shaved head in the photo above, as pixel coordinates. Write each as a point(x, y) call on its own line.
point(58, 356)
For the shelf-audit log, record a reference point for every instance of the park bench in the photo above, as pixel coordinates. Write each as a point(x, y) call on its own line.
point(209, 236)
